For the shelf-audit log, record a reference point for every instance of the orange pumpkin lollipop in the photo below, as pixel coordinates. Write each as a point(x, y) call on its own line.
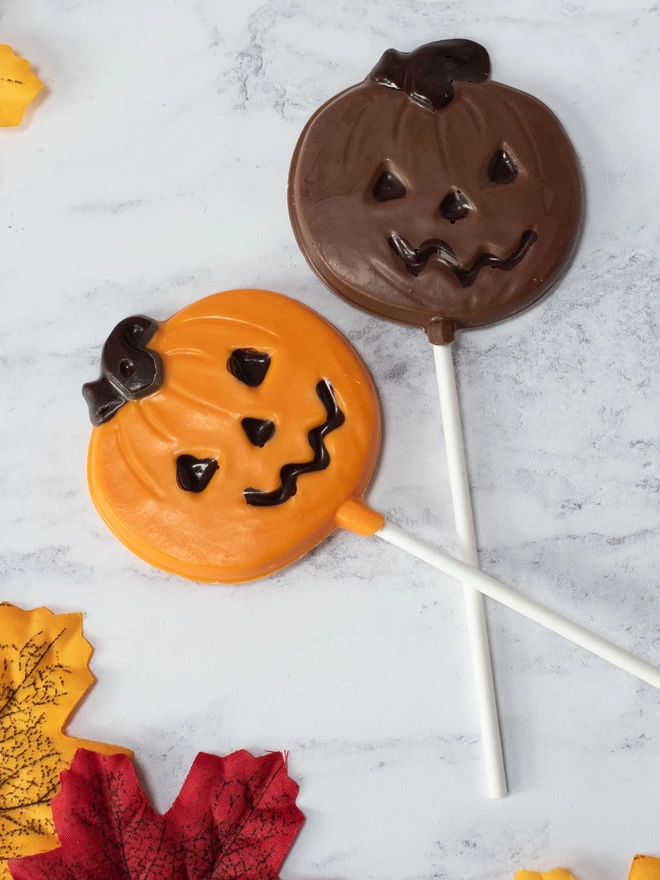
point(234, 437)
point(228, 438)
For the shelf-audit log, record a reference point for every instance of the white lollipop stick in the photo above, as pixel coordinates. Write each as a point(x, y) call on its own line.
point(498, 591)
point(477, 628)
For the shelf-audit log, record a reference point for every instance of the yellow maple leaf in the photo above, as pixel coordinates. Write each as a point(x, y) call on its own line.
point(44, 672)
point(17, 86)
point(645, 868)
point(557, 874)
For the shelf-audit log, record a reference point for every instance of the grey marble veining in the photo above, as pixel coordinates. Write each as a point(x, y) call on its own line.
point(152, 171)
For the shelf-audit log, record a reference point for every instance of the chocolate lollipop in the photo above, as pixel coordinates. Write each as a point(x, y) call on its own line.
point(232, 438)
point(230, 462)
point(429, 195)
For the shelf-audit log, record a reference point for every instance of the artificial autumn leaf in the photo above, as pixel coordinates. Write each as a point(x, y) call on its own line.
point(235, 817)
point(557, 874)
point(645, 868)
point(43, 675)
point(17, 86)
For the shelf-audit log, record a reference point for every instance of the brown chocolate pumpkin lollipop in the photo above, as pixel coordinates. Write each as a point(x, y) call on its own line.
point(432, 196)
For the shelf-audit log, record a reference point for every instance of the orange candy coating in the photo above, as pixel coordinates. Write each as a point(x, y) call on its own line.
point(214, 535)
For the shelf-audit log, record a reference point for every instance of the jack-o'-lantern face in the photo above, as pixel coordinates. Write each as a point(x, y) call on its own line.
point(432, 196)
point(227, 438)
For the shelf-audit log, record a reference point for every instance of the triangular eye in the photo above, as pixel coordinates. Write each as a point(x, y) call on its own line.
point(194, 474)
point(502, 168)
point(249, 365)
point(388, 186)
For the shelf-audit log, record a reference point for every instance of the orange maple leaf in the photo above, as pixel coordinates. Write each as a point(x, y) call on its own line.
point(17, 86)
point(645, 868)
point(44, 672)
point(557, 874)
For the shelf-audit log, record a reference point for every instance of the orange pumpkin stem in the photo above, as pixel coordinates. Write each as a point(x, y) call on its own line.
point(355, 516)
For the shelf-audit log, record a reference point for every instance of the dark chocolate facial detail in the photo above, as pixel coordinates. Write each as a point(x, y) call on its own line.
point(129, 370)
point(249, 366)
point(289, 473)
point(417, 258)
point(491, 182)
point(258, 431)
point(502, 168)
point(194, 474)
point(388, 186)
point(454, 206)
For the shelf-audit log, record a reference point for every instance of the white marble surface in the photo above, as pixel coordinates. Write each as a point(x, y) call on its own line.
point(141, 180)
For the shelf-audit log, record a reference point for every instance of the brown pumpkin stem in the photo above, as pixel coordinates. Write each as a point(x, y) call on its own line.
point(427, 74)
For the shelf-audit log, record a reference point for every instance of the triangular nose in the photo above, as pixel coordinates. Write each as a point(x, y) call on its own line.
point(258, 431)
point(454, 206)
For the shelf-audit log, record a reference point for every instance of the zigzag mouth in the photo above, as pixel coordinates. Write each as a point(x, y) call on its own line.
point(289, 473)
point(417, 258)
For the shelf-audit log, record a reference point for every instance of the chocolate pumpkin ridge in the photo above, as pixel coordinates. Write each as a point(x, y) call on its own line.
point(210, 573)
point(440, 325)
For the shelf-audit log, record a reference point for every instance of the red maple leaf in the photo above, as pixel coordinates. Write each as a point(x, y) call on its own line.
point(235, 817)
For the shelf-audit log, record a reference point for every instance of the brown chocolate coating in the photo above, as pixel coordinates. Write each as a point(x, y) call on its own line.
point(429, 195)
